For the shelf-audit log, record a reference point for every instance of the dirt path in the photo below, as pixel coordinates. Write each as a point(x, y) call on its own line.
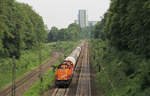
point(26, 82)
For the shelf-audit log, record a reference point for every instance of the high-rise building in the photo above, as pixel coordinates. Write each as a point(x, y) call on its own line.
point(83, 18)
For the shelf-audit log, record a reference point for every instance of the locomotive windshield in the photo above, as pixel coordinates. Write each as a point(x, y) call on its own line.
point(63, 66)
point(60, 67)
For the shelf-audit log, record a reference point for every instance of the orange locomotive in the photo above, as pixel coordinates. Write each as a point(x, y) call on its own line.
point(65, 70)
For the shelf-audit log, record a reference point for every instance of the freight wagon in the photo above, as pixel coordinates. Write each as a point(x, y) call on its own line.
point(65, 70)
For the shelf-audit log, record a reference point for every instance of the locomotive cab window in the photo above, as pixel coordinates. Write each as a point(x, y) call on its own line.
point(66, 67)
point(60, 67)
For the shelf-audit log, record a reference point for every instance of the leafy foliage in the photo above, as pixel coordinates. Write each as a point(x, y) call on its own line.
point(122, 73)
point(72, 33)
point(20, 28)
point(28, 60)
point(98, 29)
point(128, 25)
point(122, 47)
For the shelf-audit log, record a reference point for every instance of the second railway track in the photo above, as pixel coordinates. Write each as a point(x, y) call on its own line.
point(26, 82)
point(84, 83)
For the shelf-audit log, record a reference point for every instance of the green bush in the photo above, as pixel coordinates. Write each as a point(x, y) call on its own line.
point(28, 60)
point(122, 73)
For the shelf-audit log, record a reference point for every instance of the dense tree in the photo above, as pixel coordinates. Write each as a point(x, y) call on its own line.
point(99, 28)
point(52, 34)
point(129, 25)
point(124, 51)
point(20, 28)
point(85, 33)
point(70, 33)
point(74, 31)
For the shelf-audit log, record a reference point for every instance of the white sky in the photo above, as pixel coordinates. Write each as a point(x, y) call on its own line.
point(61, 13)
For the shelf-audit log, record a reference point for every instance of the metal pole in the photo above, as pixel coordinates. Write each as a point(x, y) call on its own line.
point(13, 77)
point(40, 71)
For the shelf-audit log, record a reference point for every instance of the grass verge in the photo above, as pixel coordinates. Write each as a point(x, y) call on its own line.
point(28, 60)
point(47, 82)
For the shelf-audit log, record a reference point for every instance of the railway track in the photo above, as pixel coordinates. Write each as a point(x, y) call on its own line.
point(84, 83)
point(60, 92)
point(26, 82)
point(81, 81)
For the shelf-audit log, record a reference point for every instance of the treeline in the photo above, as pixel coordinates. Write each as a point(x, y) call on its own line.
point(72, 33)
point(127, 26)
point(121, 43)
point(20, 28)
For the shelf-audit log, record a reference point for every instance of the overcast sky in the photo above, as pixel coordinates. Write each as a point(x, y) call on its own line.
point(61, 13)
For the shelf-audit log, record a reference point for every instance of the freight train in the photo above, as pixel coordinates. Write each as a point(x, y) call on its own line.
point(65, 70)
